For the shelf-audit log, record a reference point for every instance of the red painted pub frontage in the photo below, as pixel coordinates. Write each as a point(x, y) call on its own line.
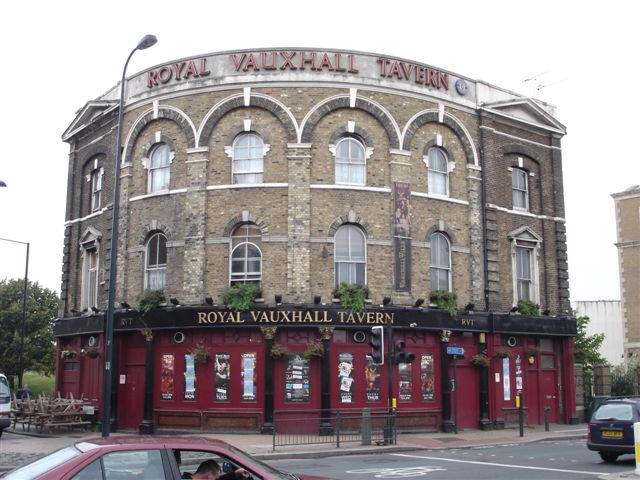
point(208, 368)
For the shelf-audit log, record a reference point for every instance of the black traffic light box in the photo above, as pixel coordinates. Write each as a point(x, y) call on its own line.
point(377, 345)
point(399, 354)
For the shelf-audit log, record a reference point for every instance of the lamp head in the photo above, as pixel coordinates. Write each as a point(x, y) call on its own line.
point(209, 300)
point(146, 42)
point(386, 301)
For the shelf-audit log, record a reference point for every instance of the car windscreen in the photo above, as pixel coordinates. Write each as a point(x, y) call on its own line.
point(614, 411)
point(37, 468)
point(4, 387)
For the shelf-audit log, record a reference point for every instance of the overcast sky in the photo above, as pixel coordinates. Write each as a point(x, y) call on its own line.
point(59, 55)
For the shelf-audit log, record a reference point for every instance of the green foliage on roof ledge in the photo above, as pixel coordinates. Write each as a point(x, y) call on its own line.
point(241, 296)
point(149, 299)
point(445, 300)
point(352, 296)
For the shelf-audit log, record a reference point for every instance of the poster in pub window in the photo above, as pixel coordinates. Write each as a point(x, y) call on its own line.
point(189, 377)
point(427, 379)
point(166, 377)
point(372, 378)
point(223, 369)
point(345, 377)
point(296, 379)
point(404, 382)
point(248, 376)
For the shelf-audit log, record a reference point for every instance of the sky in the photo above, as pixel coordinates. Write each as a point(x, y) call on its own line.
point(581, 57)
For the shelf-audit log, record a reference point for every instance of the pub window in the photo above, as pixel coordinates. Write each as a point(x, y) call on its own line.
point(350, 256)
point(189, 377)
point(159, 165)
point(440, 266)
point(297, 379)
point(525, 246)
point(155, 277)
point(246, 255)
point(351, 162)
point(90, 279)
point(345, 377)
point(167, 366)
point(222, 373)
point(248, 159)
point(248, 374)
point(437, 171)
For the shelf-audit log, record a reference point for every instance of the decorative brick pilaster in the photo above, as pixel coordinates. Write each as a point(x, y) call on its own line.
point(474, 188)
point(123, 235)
point(298, 224)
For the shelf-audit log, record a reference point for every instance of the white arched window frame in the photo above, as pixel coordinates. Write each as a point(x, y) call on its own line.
point(96, 189)
point(247, 162)
point(245, 259)
point(525, 252)
point(520, 189)
point(350, 256)
point(351, 161)
point(159, 165)
point(155, 275)
point(90, 250)
point(440, 262)
point(437, 171)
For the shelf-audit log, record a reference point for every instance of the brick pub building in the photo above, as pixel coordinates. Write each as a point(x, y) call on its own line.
point(298, 170)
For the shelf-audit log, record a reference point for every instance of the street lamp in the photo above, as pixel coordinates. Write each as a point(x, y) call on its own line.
point(2, 184)
point(146, 42)
point(24, 305)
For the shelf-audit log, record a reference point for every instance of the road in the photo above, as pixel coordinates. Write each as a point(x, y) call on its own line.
point(566, 460)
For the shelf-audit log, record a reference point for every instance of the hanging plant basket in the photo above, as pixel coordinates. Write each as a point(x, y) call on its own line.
point(91, 353)
point(314, 349)
point(502, 352)
point(278, 350)
point(200, 355)
point(480, 360)
point(68, 354)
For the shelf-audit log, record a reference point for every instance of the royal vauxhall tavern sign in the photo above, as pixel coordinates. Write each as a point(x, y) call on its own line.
point(282, 65)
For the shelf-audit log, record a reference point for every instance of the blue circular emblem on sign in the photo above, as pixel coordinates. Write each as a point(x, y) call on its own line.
point(461, 87)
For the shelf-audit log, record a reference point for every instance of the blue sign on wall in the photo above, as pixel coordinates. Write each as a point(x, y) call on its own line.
point(455, 351)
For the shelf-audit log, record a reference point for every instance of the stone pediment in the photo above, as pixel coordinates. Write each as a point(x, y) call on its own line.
point(86, 115)
point(527, 110)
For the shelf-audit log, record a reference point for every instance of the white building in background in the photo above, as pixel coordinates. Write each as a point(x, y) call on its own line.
point(605, 317)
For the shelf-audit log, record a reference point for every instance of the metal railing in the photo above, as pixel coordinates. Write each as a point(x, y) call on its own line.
point(318, 427)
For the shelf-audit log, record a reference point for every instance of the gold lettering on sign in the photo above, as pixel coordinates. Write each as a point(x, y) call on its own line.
point(467, 322)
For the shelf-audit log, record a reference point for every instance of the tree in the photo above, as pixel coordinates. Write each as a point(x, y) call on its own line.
point(586, 347)
point(39, 350)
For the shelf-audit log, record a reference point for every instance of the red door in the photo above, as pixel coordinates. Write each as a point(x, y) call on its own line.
point(549, 391)
point(131, 396)
point(466, 391)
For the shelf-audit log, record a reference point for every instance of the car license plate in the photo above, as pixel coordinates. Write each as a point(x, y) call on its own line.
point(611, 434)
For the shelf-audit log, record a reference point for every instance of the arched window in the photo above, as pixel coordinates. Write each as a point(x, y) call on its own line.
point(438, 171)
point(159, 168)
point(440, 267)
point(350, 256)
point(247, 163)
point(350, 162)
point(246, 255)
point(156, 262)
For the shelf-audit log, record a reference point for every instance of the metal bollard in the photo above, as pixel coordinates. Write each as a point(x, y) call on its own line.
point(366, 426)
point(546, 418)
point(636, 442)
point(520, 414)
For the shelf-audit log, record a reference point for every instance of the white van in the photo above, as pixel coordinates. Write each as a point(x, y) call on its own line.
point(5, 403)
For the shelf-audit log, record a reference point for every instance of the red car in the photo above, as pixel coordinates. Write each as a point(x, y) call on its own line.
point(145, 458)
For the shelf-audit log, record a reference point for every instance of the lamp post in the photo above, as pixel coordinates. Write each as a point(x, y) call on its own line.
point(24, 307)
point(146, 42)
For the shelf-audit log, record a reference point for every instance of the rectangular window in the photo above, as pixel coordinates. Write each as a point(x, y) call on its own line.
point(345, 377)
point(523, 273)
point(519, 188)
point(248, 376)
point(147, 461)
point(427, 378)
point(189, 377)
point(96, 189)
point(166, 377)
point(90, 280)
point(405, 384)
point(223, 371)
point(296, 379)
point(372, 377)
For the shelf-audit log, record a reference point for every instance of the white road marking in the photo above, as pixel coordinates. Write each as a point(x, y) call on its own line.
point(525, 467)
point(398, 472)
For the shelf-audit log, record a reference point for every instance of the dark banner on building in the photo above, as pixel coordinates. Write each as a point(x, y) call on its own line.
point(166, 377)
point(297, 379)
point(402, 236)
point(427, 378)
point(405, 383)
point(249, 378)
point(372, 377)
point(223, 369)
point(345, 377)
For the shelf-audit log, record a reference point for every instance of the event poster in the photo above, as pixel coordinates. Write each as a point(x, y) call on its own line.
point(223, 370)
point(296, 381)
point(427, 379)
point(345, 377)
point(404, 382)
point(189, 377)
point(506, 379)
point(372, 378)
point(166, 377)
point(249, 376)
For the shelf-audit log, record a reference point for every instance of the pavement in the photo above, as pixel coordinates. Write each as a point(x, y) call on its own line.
point(18, 448)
